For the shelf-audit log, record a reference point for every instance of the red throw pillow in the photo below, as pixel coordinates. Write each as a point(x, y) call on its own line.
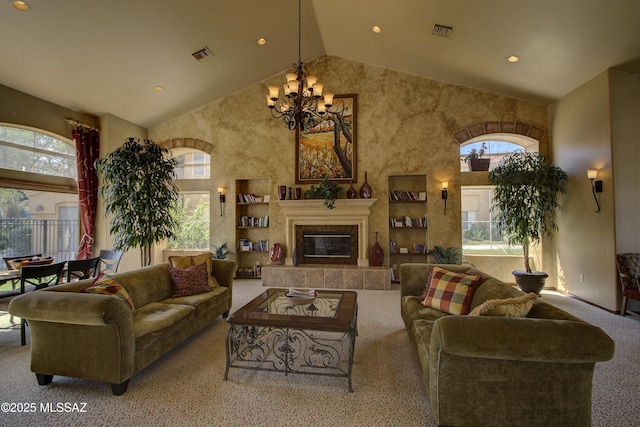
point(189, 281)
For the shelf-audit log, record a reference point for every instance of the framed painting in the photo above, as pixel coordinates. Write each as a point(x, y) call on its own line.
point(329, 148)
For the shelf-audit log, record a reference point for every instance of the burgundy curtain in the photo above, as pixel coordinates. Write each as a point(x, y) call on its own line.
point(87, 151)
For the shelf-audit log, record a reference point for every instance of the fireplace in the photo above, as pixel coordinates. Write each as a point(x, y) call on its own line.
point(353, 212)
point(327, 244)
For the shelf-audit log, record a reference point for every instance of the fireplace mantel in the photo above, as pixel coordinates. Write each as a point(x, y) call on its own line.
point(314, 212)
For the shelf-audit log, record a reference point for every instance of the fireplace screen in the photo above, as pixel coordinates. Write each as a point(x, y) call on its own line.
point(327, 244)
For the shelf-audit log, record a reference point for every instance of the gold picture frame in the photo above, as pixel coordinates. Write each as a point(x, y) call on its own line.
point(329, 148)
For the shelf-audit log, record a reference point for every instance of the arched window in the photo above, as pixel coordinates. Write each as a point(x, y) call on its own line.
point(39, 211)
point(495, 147)
point(193, 211)
point(479, 233)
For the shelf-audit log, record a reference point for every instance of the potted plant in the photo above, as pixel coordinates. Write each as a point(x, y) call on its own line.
point(220, 252)
point(475, 161)
point(139, 192)
point(327, 189)
point(526, 202)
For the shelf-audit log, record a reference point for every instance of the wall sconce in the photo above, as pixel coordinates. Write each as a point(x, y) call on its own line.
point(596, 186)
point(445, 194)
point(222, 198)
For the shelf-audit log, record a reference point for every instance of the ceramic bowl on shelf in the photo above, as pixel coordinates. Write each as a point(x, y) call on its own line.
point(17, 264)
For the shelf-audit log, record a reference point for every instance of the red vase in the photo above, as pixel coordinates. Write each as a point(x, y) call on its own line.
point(376, 253)
point(365, 189)
point(351, 192)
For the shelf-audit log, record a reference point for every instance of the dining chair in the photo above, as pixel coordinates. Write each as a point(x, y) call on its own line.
point(33, 279)
point(7, 262)
point(109, 261)
point(629, 273)
point(80, 269)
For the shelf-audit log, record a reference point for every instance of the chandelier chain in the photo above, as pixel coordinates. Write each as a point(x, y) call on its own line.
point(305, 103)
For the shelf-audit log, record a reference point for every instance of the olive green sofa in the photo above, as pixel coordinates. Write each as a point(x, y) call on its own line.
point(99, 337)
point(502, 371)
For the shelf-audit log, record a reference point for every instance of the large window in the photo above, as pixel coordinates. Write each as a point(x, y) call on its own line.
point(39, 211)
point(193, 212)
point(479, 233)
point(480, 236)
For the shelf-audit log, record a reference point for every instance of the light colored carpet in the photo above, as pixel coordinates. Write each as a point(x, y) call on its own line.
point(185, 387)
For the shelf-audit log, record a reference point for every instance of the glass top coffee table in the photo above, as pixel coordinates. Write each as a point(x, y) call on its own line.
point(310, 335)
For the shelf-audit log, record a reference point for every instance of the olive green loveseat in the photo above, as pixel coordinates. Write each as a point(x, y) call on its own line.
point(99, 337)
point(502, 371)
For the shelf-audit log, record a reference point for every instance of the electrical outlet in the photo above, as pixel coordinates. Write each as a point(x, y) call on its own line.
point(582, 277)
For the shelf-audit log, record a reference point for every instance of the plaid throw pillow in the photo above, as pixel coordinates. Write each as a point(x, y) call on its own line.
point(451, 292)
point(106, 285)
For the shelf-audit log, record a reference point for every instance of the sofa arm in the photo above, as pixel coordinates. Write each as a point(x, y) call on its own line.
point(79, 335)
point(521, 339)
point(72, 308)
point(224, 270)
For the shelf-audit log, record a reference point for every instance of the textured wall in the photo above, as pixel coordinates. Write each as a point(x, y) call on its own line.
point(405, 125)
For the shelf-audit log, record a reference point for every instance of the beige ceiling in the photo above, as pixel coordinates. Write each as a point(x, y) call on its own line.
point(99, 56)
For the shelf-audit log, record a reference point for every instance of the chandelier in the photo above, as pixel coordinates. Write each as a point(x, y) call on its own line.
point(304, 104)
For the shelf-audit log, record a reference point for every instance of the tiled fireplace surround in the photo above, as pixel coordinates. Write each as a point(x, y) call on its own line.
point(332, 276)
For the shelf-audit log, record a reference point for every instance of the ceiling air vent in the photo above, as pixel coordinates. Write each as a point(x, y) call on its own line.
point(202, 53)
point(443, 30)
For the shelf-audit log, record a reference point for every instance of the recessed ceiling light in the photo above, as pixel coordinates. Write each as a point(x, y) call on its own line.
point(376, 29)
point(20, 5)
point(262, 41)
point(513, 58)
point(158, 88)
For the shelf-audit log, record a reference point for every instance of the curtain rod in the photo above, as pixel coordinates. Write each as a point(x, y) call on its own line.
point(84, 125)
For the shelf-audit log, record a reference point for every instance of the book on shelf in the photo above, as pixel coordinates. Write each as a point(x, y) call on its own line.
point(407, 221)
point(248, 198)
point(404, 196)
point(246, 245)
point(250, 221)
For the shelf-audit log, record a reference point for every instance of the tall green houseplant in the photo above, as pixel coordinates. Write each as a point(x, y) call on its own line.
point(139, 192)
point(526, 203)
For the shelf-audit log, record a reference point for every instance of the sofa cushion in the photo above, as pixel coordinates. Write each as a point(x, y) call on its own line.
point(451, 292)
point(106, 285)
point(508, 307)
point(189, 281)
point(146, 284)
point(202, 302)
point(190, 261)
point(411, 309)
point(155, 319)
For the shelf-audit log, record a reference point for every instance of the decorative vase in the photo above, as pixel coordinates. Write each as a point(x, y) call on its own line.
point(376, 253)
point(351, 192)
point(365, 189)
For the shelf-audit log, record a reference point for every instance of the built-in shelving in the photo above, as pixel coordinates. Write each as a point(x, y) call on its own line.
point(252, 226)
point(408, 220)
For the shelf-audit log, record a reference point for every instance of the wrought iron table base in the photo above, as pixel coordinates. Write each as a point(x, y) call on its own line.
point(299, 351)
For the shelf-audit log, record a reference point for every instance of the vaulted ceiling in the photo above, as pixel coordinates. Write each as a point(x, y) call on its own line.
point(107, 56)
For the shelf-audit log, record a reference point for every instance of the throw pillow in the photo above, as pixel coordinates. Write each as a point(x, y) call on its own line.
point(106, 285)
point(427, 284)
point(451, 292)
point(189, 281)
point(190, 261)
point(508, 307)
